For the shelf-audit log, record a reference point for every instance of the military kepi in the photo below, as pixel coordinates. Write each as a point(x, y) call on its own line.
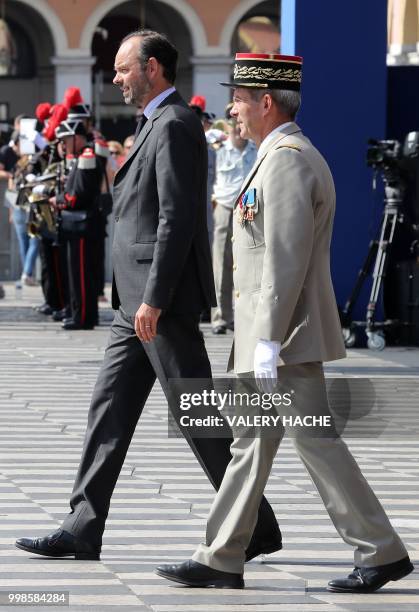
point(266, 71)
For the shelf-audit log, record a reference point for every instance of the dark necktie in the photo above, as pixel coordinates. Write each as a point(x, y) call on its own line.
point(141, 123)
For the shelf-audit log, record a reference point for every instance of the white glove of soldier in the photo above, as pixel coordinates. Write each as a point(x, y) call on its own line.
point(265, 365)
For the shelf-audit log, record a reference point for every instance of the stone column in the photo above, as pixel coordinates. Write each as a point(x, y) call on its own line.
point(208, 72)
point(73, 71)
point(402, 32)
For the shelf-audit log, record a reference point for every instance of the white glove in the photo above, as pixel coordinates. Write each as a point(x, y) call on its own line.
point(265, 362)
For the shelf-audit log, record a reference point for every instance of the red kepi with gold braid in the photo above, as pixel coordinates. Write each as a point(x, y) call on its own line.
point(267, 71)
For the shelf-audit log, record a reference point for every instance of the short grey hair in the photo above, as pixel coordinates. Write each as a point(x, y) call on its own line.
point(288, 101)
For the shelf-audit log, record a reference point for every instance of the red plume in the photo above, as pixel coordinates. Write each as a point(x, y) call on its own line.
point(199, 101)
point(49, 131)
point(72, 96)
point(58, 113)
point(42, 111)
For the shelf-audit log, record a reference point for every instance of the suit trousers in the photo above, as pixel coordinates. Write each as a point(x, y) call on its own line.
point(222, 256)
point(125, 381)
point(352, 505)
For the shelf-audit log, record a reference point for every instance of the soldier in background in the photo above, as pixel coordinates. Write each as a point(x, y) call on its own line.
point(78, 110)
point(235, 158)
point(54, 275)
point(54, 278)
point(80, 195)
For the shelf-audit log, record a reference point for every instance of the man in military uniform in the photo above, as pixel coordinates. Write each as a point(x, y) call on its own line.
point(286, 325)
point(78, 110)
point(80, 195)
point(54, 277)
point(234, 160)
point(53, 255)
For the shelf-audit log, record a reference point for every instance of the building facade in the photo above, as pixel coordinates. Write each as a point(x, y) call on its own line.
point(73, 42)
point(48, 45)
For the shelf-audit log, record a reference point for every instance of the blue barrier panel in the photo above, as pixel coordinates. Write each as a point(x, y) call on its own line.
point(344, 103)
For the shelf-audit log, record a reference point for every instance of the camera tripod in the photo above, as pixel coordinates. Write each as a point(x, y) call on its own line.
point(377, 256)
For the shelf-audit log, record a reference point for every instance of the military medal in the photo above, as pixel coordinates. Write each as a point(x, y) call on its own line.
point(246, 207)
point(242, 209)
point(250, 205)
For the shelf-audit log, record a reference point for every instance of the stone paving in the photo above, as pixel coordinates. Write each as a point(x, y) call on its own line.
point(162, 498)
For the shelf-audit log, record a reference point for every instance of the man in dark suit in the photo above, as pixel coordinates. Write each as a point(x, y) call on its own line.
point(162, 282)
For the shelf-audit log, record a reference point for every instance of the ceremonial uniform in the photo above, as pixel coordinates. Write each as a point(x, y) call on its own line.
point(80, 194)
point(79, 111)
point(284, 299)
point(54, 280)
point(53, 254)
point(52, 250)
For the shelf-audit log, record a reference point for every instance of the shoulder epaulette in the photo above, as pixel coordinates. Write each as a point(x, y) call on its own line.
point(101, 148)
point(288, 146)
point(87, 160)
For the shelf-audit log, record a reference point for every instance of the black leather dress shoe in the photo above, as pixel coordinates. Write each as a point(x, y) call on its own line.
point(45, 309)
point(59, 315)
point(369, 579)
point(219, 329)
point(194, 574)
point(264, 547)
point(60, 543)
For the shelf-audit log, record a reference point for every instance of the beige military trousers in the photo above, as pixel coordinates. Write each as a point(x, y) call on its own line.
point(352, 505)
point(222, 257)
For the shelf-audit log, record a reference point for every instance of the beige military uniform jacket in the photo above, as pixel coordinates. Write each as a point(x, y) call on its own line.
point(282, 282)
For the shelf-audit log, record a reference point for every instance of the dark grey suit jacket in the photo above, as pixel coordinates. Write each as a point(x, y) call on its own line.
point(161, 253)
